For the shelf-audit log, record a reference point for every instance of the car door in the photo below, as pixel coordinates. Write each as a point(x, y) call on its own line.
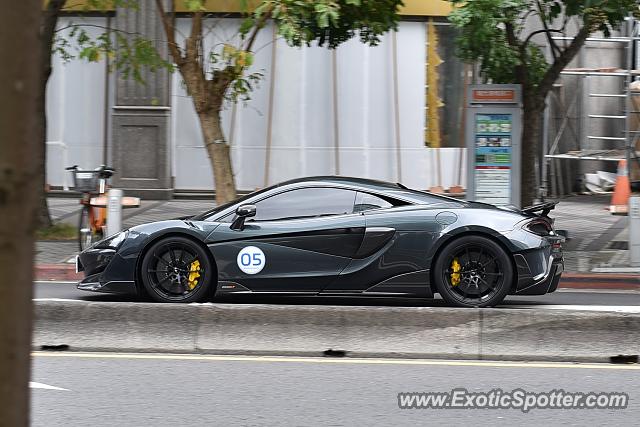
point(397, 238)
point(299, 241)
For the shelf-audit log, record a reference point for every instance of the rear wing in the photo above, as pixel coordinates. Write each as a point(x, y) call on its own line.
point(542, 208)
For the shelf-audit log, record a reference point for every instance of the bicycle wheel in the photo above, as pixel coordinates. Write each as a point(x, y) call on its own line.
point(85, 234)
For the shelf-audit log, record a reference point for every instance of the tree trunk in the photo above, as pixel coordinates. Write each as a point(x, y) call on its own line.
point(49, 20)
point(533, 109)
point(40, 155)
point(20, 178)
point(219, 155)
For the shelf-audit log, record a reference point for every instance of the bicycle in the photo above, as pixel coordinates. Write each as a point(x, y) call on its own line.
point(93, 214)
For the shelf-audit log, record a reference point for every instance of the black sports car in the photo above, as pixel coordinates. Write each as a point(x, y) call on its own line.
point(335, 236)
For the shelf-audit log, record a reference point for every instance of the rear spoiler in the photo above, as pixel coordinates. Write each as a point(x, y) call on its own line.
point(543, 208)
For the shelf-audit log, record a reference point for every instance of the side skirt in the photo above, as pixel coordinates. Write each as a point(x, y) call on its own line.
point(415, 283)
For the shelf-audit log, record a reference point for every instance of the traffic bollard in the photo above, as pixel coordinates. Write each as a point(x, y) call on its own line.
point(114, 211)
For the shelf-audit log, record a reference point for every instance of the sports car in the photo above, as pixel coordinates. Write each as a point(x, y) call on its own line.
point(335, 236)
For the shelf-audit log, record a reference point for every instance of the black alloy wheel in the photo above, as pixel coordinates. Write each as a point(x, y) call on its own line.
point(473, 271)
point(176, 269)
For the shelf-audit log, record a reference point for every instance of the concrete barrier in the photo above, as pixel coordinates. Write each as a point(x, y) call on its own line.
point(426, 332)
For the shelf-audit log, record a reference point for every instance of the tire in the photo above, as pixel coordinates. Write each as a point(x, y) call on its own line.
point(473, 271)
point(166, 271)
point(86, 237)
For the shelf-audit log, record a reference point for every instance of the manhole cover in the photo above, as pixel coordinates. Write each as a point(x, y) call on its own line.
point(619, 245)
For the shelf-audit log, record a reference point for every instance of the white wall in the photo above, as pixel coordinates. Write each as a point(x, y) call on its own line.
point(302, 125)
point(75, 110)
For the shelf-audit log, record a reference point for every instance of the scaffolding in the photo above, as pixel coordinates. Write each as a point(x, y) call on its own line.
point(621, 143)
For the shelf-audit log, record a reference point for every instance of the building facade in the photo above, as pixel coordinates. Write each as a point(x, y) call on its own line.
point(391, 112)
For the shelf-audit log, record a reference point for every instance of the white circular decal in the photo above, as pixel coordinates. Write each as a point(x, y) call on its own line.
point(251, 260)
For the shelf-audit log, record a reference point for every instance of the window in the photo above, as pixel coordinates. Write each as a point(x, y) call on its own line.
point(305, 203)
point(367, 202)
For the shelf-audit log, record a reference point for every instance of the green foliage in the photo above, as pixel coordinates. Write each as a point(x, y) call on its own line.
point(195, 5)
point(301, 22)
point(105, 5)
point(331, 22)
point(236, 61)
point(242, 87)
point(483, 37)
point(128, 53)
point(486, 25)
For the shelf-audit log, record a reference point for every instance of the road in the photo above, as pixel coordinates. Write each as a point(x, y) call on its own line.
point(564, 298)
point(181, 390)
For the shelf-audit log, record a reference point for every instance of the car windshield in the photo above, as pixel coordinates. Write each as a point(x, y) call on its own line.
point(224, 206)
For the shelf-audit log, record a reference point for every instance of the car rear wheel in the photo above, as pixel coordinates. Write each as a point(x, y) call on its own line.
point(473, 271)
point(176, 269)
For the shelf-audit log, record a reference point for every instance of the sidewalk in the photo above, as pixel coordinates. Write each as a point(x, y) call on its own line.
point(597, 240)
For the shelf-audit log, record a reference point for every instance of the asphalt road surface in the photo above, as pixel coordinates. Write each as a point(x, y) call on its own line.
point(110, 389)
point(563, 298)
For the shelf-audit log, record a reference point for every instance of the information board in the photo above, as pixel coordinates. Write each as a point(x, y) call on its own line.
point(493, 158)
point(493, 129)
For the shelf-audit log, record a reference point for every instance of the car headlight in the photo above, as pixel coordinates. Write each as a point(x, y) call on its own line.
point(112, 242)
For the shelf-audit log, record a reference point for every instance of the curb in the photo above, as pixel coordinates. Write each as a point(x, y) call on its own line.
point(67, 272)
point(599, 281)
point(62, 272)
point(406, 332)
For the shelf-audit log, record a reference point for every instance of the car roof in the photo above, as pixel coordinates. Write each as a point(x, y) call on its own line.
point(375, 186)
point(371, 184)
point(397, 191)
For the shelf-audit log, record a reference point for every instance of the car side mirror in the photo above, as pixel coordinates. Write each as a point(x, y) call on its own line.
point(242, 213)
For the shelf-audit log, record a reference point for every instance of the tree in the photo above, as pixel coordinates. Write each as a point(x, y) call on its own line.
point(132, 53)
point(20, 176)
point(221, 74)
point(493, 33)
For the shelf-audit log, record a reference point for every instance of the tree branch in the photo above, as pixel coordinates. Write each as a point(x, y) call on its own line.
point(102, 27)
point(169, 30)
point(555, 50)
point(511, 34)
point(259, 25)
point(563, 59)
point(194, 40)
point(520, 71)
point(530, 36)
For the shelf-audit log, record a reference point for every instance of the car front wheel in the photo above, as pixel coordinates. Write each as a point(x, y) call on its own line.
point(176, 269)
point(473, 271)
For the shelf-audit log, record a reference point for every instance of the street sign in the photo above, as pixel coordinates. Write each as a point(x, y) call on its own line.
point(493, 128)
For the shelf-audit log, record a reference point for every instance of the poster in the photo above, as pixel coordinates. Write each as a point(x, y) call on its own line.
point(493, 158)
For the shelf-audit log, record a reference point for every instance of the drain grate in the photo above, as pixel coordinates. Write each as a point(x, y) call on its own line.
point(618, 244)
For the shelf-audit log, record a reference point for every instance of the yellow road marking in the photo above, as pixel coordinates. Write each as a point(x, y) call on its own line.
point(356, 361)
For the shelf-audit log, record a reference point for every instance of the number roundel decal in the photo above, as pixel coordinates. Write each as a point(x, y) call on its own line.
point(251, 260)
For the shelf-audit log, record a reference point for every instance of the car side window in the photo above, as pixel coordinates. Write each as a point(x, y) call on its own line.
point(305, 203)
point(367, 202)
